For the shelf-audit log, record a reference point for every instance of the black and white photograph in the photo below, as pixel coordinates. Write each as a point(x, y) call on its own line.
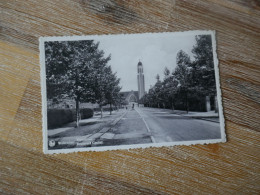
point(109, 92)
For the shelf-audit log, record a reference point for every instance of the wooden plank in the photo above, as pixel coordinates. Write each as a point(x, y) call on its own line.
point(231, 167)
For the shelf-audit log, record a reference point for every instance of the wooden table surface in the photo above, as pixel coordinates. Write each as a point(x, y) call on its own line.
point(226, 168)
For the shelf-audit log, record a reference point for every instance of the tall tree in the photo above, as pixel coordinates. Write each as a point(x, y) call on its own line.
point(112, 89)
point(166, 91)
point(181, 74)
point(75, 70)
point(203, 67)
point(158, 92)
point(189, 82)
point(100, 79)
point(169, 88)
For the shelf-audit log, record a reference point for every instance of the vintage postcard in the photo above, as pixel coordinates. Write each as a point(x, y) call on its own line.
point(110, 92)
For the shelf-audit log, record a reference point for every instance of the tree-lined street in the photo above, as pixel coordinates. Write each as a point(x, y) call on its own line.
point(79, 71)
point(145, 125)
point(161, 125)
point(189, 84)
point(81, 82)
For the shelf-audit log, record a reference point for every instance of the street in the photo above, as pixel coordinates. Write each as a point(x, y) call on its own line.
point(151, 125)
point(167, 127)
point(138, 126)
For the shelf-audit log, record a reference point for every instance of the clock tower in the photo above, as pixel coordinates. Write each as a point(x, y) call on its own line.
point(140, 80)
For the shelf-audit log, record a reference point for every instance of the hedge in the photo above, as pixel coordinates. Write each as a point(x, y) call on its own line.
point(86, 113)
point(59, 117)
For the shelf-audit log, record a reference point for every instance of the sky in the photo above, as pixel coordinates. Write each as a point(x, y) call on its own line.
point(155, 51)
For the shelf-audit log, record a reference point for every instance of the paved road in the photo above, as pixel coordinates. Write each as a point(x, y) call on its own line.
point(147, 125)
point(167, 127)
point(131, 129)
point(139, 126)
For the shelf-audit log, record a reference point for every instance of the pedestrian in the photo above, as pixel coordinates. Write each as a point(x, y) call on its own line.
point(133, 106)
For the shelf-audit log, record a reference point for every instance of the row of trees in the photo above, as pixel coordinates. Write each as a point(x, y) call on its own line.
point(79, 70)
point(189, 82)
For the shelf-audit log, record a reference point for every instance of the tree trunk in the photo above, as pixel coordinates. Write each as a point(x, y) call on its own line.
point(101, 111)
point(77, 112)
point(208, 107)
point(77, 99)
point(110, 108)
point(187, 103)
point(216, 104)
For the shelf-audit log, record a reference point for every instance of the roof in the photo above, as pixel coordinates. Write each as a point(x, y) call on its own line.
point(125, 94)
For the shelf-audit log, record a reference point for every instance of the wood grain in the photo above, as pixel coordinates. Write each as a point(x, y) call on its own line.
point(226, 168)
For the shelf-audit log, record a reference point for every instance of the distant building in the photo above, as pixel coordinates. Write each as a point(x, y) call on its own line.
point(130, 97)
point(134, 96)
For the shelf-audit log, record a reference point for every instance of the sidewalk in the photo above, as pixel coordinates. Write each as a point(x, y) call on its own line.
point(84, 122)
point(87, 134)
point(209, 116)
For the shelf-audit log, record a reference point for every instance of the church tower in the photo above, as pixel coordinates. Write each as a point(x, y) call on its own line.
point(140, 80)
